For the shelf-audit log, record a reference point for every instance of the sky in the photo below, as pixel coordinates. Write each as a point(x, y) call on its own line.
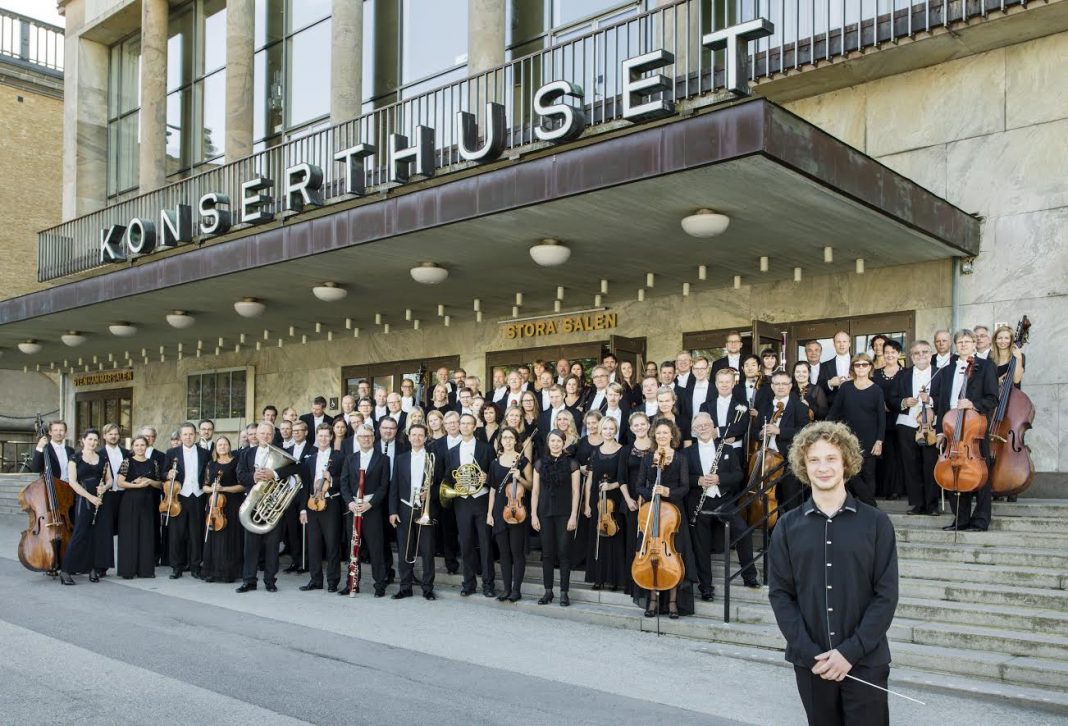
point(40, 9)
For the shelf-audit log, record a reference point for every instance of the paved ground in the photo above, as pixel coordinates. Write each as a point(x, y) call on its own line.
point(144, 651)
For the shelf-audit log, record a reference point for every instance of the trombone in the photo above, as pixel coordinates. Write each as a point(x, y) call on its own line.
point(424, 519)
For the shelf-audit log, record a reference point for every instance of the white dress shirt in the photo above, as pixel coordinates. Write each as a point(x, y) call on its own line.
point(958, 383)
point(322, 462)
point(61, 456)
point(813, 373)
point(380, 411)
point(191, 463)
point(389, 448)
point(920, 379)
point(700, 395)
point(707, 452)
point(595, 404)
point(942, 361)
point(407, 403)
point(417, 471)
point(544, 398)
point(734, 361)
point(682, 380)
point(499, 393)
point(841, 365)
point(467, 456)
point(984, 354)
point(651, 408)
point(298, 449)
point(617, 414)
point(115, 459)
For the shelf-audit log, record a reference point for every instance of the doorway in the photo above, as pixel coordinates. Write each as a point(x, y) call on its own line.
point(94, 409)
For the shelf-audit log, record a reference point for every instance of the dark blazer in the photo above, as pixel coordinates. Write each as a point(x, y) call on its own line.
point(981, 389)
point(731, 476)
point(483, 457)
point(737, 421)
point(828, 370)
point(246, 467)
point(211, 446)
point(37, 465)
point(724, 362)
point(902, 389)
point(682, 392)
point(761, 396)
point(160, 457)
point(821, 381)
point(685, 399)
point(308, 474)
point(125, 454)
point(203, 457)
point(309, 421)
point(586, 401)
point(398, 446)
point(952, 359)
point(400, 486)
point(794, 418)
point(376, 480)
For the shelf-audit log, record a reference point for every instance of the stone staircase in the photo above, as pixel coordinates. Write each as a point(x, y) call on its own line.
point(985, 615)
point(10, 486)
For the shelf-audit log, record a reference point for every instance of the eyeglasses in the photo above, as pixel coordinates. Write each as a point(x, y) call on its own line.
point(862, 365)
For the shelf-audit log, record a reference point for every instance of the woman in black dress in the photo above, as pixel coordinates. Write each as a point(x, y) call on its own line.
point(675, 484)
point(633, 456)
point(1002, 353)
point(554, 506)
point(513, 419)
point(582, 451)
point(88, 476)
point(224, 550)
point(860, 404)
point(813, 397)
point(632, 387)
point(490, 428)
point(511, 538)
point(565, 424)
point(139, 477)
point(667, 405)
point(606, 564)
point(572, 393)
point(889, 476)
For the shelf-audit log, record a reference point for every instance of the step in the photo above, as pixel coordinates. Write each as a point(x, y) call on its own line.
point(971, 637)
point(1036, 577)
point(986, 593)
point(1040, 525)
point(970, 553)
point(1031, 620)
point(1040, 672)
point(1028, 540)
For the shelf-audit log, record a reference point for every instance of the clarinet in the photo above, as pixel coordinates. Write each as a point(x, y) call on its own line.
point(712, 470)
point(357, 539)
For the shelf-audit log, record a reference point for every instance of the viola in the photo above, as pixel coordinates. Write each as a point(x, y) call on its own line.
point(1012, 470)
point(216, 518)
point(48, 502)
point(321, 488)
point(925, 433)
point(171, 506)
point(607, 526)
point(961, 466)
point(515, 512)
point(657, 565)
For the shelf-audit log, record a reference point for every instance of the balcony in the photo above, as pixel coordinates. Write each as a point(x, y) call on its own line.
point(31, 44)
point(807, 35)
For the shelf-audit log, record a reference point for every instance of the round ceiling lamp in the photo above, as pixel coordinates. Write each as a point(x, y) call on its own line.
point(429, 273)
point(249, 307)
point(550, 253)
point(29, 347)
point(180, 319)
point(72, 338)
point(123, 330)
point(705, 223)
point(329, 292)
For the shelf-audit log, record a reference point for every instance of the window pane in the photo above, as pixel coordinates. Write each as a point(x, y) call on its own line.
point(180, 49)
point(222, 395)
point(212, 104)
point(309, 76)
point(122, 153)
point(114, 79)
point(270, 17)
point(207, 396)
point(130, 75)
point(268, 93)
point(179, 128)
point(213, 36)
point(125, 424)
point(237, 395)
point(192, 399)
point(445, 21)
point(306, 12)
point(525, 20)
point(566, 11)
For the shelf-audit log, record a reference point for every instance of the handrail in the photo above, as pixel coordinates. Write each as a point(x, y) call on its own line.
point(31, 43)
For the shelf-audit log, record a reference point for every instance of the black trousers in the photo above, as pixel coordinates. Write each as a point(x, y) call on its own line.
point(324, 532)
point(292, 535)
point(863, 484)
point(704, 534)
point(137, 533)
point(917, 465)
point(555, 546)
point(267, 544)
point(425, 555)
point(845, 702)
point(962, 509)
point(471, 525)
point(107, 524)
point(373, 543)
point(512, 543)
point(447, 537)
point(185, 535)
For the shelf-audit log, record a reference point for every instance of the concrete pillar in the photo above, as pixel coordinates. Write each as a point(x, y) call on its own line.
point(85, 118)
point(240, 30)
point(485, 35)
point(346, 60)
point(153, 147)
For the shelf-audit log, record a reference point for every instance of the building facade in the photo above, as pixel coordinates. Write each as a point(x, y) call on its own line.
point(884, 170)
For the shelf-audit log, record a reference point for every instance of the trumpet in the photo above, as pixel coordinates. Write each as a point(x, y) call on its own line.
point(467, 482)
point(424, 520)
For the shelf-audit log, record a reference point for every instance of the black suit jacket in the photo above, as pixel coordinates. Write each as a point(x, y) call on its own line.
point(901, 388)
point(37, 465)
point(246, 468)
point(981, 389)
point(682, 392)
point(685, 399)
point(309, 421)
point(737, 421)
point(952, 359)
point(761, 396)
point(309, 474)
point(375, 483)
point(483, 457)
point(731, 476)
point(828, 370)
point(794, 418)
point(125, 454)
point(724, 362)
point(400, 486)
point(160, 457)
point(203, 457)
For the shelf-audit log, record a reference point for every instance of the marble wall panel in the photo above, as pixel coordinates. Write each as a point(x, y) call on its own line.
point(1036, 85)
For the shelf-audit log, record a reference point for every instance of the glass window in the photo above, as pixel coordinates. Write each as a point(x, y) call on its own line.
point(180, 49)
point(270, 22)
point(269, 93)
point(309, 74)
point(216, 395)
point(444, 21)
point(568, 11)
point(211, 100)
point(213, 36)
point(129, 76)
point(179, 126)
point(303, 13)
point(524, 21)
point(122, 153)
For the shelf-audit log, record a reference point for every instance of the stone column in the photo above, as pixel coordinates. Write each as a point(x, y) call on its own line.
point(240, 31)
point(485, 35)
point(346, 60)
point(152, 169)
point(85, 119)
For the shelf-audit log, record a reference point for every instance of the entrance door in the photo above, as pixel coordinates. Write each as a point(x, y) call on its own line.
point(94, 409)
point(768, 335)
point(629, 349)
point(587, 354)
point(899, 327)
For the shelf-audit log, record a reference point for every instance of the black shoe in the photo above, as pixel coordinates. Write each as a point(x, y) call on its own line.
point(974, 528)
point(596, 586)
point(489, 592)
point(343, 591)
point(673, 612)
point(175, 574)
point(101, 574)
point(515, 596)
point(1012, 498)
point(954, 526)
point(292, 568)
point(93, 577)
point(130, 577)
point(708, 595)
point(932, 512)
point(380, 592)
point(331, 588)
point(195, 572)
point(272, 588)
point(246, 587)
point(917, 510)
point(503, 596)
point(466, 593)
point(430, 595)
point(564, 599)
point(401, 594)
point(546, 598)
point(65, 578)
point(452, 570)
point(312, 586)
point(755, 584)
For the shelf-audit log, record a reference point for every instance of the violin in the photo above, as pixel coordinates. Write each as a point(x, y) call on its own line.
point(171, 506)
point(48, 502)
point(925, 433)
point(216, 518)
point(515, 512)
point(961, 466)
point(657, 565)
point(1012, 470)
point(317, 501)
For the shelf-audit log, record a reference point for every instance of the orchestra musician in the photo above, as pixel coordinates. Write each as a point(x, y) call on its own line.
point(733, 357)
point(185, 533)
point(785, 416)
point(89, 476)
point(223, 550)
point(909, 395)
point(471, 510)
point(554, 502)
point(836, 370)
point(376, 468)
point(408, 493)
point(139, 477)
point(107, 519)
point(606, 564)
point(859, 403)
point(320, 472)
point(510, 474)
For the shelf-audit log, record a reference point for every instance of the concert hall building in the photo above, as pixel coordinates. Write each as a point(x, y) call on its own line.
point(264, 201)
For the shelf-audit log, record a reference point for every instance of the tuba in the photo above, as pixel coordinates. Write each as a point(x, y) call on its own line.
point(264, 506)
point(467, 481)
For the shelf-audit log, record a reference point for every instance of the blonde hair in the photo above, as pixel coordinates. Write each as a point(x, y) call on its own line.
point(859, 357)
point(572, 432)
point(995, 352)
point(837, 435)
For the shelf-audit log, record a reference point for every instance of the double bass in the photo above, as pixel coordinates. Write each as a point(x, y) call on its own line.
point(48, 502)
point(763, 471)
point(1012, 469)
point(961, 466)
point(657, 565)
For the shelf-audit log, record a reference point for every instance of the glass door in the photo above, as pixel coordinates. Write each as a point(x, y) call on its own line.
point(94, 409)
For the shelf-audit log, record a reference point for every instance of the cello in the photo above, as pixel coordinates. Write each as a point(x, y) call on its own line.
point(1012, 469)
point(763, 471)
point(657, 565)
point(961, 466)
point(48, 502)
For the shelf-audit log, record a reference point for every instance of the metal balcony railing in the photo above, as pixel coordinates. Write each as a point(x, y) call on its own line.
point(31, 43)
point(806, 32)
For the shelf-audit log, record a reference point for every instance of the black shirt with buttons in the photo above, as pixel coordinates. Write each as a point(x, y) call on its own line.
point(833, 582)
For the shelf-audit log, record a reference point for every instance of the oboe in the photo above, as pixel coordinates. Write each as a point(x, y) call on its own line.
point(711, 470)
point(357, 538)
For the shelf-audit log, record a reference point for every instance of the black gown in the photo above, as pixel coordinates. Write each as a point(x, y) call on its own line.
point(512, 539)
point(224, 551)
point(632, 459)
point(137, 521)
point(889, 475)
point(81, 550)
point(581, 451)
point(606, 562)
